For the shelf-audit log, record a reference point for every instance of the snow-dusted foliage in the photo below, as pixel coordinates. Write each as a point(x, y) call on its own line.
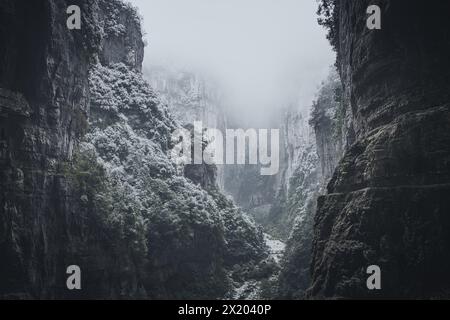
point(129, 131)
point(120, 92)
point(115, 11)
point(184, 239)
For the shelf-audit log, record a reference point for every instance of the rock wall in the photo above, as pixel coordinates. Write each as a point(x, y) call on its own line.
point(328, 121)
point(387, 202)
point(44, 102)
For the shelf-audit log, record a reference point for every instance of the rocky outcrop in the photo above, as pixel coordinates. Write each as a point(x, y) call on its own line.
point(387, 202)
point(328, 121)
point(121, 41)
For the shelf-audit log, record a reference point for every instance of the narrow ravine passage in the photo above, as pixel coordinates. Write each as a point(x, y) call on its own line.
point(262, 289)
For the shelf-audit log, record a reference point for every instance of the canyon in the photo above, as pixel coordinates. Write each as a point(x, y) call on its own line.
point(86, 178)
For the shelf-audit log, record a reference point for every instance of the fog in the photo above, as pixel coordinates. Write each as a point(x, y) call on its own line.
point(264, 53)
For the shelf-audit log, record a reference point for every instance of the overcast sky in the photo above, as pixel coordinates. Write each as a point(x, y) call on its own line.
point(264, 52)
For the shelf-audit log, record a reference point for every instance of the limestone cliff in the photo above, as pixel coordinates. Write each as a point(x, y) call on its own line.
point(387, 203)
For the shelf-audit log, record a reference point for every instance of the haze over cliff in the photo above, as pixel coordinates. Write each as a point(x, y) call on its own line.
point(263, 53)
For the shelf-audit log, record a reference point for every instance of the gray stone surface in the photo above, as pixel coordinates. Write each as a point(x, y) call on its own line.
point(387, 202)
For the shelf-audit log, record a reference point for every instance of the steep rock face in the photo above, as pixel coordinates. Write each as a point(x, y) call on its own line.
point(328, 121)
point(314, 156)
point(43, 108)
point(190, 98)
point(387, 202)
point(298, 136)
point(182, 236)
point(299, 175)
point(252, 191)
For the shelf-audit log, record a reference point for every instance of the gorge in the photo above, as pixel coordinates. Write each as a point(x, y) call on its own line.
point(86, 176)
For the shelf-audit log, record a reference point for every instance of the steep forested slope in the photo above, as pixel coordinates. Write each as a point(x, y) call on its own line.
point(86, 179)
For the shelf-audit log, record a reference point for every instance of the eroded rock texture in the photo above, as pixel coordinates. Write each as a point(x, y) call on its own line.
point(43, 108)
point(388, 201)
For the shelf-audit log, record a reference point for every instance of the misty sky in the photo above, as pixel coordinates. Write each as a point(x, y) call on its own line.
point(264, 52)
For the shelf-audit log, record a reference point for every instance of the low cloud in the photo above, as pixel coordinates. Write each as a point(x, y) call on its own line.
point(265, 53)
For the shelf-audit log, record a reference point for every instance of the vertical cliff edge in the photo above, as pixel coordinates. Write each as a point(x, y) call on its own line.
point(86, 178)
point(387, 202)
